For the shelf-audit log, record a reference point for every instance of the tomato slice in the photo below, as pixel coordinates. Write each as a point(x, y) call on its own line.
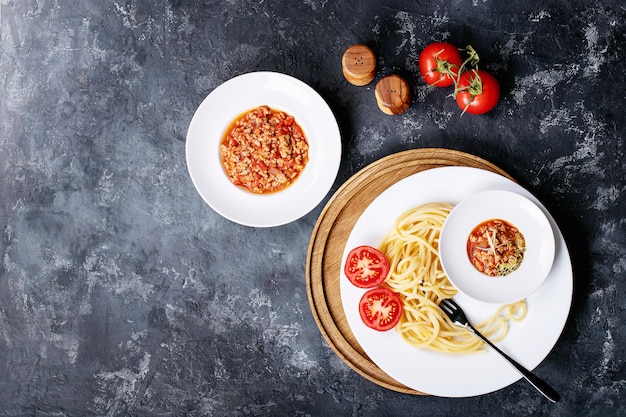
point(366, 267)
point(380, 309)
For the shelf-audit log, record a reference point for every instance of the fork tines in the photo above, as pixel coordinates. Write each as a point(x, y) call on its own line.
point(448, 305)
point(454, 312)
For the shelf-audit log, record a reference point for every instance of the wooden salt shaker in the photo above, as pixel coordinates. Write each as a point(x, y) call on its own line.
point(393, 95)
point(359, 65)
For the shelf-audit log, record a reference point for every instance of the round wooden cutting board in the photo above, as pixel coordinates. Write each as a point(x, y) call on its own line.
point(325, 251)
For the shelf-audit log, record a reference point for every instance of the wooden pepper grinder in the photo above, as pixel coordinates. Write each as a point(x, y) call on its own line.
point(359, 65)
point(393, 94)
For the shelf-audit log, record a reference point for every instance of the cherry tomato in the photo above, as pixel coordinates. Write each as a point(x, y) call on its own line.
point(366, 267)
point(380, 309)
point(439, 63)
point(477, 92)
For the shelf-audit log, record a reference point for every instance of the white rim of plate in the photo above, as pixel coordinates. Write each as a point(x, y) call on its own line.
point(520, 212)
point(221, 107)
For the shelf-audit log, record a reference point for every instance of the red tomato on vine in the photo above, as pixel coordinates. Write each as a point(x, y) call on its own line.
point(439, 63)
point(477, 92)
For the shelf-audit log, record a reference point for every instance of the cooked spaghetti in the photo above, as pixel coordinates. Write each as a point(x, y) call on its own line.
point(412, 249)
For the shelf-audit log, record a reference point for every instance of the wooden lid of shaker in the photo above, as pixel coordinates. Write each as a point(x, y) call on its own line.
point(393, 94)
point(359, 65)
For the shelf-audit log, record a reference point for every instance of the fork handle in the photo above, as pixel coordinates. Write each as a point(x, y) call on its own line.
point(539, 384)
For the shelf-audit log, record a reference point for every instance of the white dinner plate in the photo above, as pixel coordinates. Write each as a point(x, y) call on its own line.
point(519, 211)
point(458, 375)
point(221, 107)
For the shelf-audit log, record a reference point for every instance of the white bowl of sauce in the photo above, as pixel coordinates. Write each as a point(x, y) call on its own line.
point(213, 120)
point(497, 246)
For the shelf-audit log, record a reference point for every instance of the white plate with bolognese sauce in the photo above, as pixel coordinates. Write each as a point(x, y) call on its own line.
point(528, 340)
point(214, 118)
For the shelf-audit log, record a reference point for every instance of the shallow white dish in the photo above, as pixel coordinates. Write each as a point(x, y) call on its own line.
point(516, 209)
point(228, 101)
point(528, 341)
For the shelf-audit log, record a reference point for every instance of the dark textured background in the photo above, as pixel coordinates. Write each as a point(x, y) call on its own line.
point(122, 293)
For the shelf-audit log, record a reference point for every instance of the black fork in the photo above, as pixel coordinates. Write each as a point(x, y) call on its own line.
point(456, 314)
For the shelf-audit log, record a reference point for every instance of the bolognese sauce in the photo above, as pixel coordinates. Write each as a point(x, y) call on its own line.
point(264, 150)
point(496, 247)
